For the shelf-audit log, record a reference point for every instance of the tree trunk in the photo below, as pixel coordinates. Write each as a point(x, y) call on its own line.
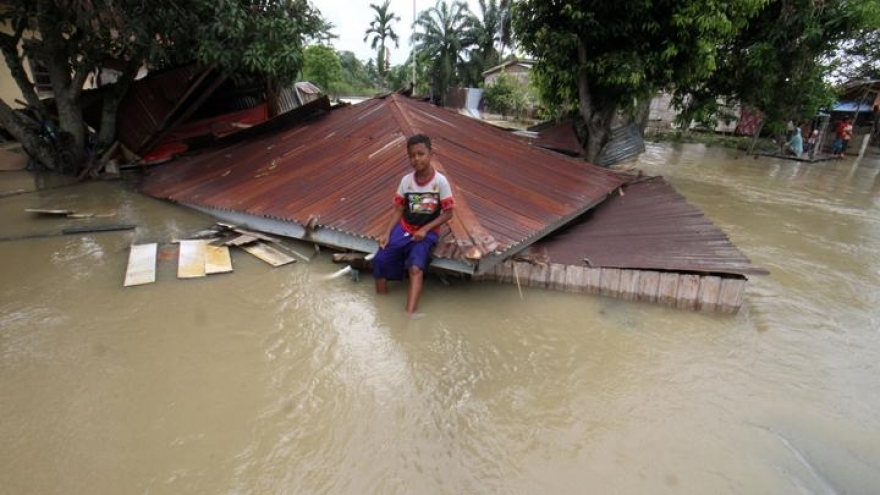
point(598, 122)
point(28, 135)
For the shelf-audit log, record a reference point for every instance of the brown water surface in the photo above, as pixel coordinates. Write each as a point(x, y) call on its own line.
point(269, 380)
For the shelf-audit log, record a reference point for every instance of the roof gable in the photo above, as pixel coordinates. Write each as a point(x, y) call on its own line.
point(340, 171)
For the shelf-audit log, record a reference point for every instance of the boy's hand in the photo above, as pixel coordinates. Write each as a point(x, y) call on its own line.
point(383, 241)
point(419, 235)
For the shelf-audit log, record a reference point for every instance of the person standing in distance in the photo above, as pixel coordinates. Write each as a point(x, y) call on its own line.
point(423, 202)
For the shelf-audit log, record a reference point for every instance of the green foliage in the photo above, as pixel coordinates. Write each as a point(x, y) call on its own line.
point(380, 29)
point(322, 67)
point(858, 56)
point(73, 39)
point(779, 62)
point(506, 95)
point(256, 36)
point(485, 38)
point(602, 57)
point(439, 44)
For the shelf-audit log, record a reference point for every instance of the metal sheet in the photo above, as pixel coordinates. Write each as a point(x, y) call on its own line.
point(141, 265)
point(191, 261)
point(650, 226)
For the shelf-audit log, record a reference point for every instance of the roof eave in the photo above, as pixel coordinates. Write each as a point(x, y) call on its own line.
point(320, 235)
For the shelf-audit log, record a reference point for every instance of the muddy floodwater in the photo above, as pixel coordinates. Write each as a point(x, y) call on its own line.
point(271, 380)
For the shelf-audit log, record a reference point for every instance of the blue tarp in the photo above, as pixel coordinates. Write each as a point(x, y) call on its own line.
point(851, 106)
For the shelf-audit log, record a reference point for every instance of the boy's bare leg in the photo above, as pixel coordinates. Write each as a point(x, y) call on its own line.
point(381, 286)
point(416, 277)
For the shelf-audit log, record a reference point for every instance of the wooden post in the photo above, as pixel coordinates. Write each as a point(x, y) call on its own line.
point(864, 147)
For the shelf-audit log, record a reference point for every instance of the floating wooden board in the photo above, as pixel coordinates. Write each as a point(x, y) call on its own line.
point(141, 265)
point(268, 254)
point(44, 211)
point(191, 261)
point(217, 259)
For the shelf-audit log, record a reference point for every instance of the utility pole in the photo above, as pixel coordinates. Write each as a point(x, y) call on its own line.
point(412, 41)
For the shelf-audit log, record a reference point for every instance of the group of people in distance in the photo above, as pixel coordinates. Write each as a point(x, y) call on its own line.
point(843, 133)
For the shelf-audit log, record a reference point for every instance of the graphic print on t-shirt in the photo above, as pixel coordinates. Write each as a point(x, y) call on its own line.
point(421, 207)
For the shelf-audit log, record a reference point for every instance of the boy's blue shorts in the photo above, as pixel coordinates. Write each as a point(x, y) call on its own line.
point(401, 252)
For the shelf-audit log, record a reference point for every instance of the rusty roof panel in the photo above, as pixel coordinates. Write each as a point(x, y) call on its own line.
point(651, 226)
point(341, 170)
point(150, 102)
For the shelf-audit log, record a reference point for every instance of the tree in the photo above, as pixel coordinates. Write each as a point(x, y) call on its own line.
point(355, 80)
point(599, 59)
point(73, 39)
point(486, 34)
point(322, 66)
point(439, 43)
point(380, 29)
point(779, 62)
point(506, 94)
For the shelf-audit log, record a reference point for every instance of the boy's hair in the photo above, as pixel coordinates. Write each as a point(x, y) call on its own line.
point(418, 139)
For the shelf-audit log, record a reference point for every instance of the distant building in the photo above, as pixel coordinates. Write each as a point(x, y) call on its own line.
point(519, 69)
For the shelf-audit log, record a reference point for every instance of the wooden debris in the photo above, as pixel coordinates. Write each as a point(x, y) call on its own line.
point(191, 262)
point(91, 215)
point(71, 231)
point(217, 260)
point(268, 253)
point(47, 211)
point(257, 235)
point(141, 265)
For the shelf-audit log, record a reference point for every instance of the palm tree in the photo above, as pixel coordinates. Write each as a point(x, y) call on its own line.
point(380, 29)
point(440, 43)
point(489, 34)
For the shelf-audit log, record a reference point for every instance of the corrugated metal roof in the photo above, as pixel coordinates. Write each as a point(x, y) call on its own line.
point(559, 136)
point(651, 226)
point(150, 103)
point(625, 142)
point(339, 172)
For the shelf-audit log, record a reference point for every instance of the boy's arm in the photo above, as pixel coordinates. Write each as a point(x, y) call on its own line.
point(444, 217)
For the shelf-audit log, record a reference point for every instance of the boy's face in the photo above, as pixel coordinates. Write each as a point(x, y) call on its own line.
point(419, 157)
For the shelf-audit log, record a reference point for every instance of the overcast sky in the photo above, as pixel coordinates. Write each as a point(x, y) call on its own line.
point(351, 19)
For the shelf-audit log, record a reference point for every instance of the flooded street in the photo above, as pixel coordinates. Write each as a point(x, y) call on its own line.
point(270, 380)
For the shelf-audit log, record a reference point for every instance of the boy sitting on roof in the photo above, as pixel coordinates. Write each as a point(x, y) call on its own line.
point(422, 204)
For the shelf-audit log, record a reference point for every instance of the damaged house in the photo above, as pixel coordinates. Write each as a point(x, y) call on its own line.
point(523, 214)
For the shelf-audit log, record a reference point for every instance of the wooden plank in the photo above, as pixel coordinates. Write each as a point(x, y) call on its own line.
point(688, 288)
point(668, 288)
point(649, 285)
point(710, 288)
point(557, 276)
point(594, 280)
point(629, 284)
point(217, 259)
point(537, 275)
point(731, 296)
point(257, 235)
point(268, 254)
point(576, 278)
point(610, 284)
point(191, 261)
point(141, 265)
point(47, 211)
